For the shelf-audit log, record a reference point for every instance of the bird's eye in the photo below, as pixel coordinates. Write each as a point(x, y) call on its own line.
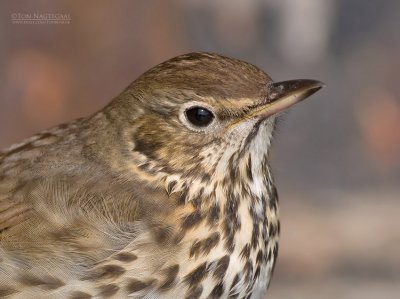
point(199, 116)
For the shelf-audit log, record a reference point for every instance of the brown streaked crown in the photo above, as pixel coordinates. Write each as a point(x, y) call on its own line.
point(207, 74)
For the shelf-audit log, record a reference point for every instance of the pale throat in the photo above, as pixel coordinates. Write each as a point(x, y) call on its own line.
point(239, 167)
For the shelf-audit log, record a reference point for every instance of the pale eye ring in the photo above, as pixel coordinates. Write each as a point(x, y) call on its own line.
point(199, 116)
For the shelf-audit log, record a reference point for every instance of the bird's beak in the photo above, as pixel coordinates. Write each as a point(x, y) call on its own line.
point(282, 95)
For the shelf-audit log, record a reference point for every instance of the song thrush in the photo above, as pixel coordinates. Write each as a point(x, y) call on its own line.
point(167, 192)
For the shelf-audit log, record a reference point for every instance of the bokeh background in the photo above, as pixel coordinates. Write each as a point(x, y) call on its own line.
point(336, 156)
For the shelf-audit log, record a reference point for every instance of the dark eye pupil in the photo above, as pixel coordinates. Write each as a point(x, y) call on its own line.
point(199, 116)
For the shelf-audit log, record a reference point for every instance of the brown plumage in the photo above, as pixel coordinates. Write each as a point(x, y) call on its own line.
point(164, 193)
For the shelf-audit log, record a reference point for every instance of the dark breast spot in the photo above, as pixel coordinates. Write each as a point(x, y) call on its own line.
point(257, 273)
point(125, 257)
point(210, 242)
point(245, 253)
point(146, 167)
point(6, 291)
point(191, 220)
point(273, 199)
point(221, 268)
point(194, 293)
point(248, 170)
point(231, 221)
point(105, 272)
point(108, 290)
point(273, 230)
point(49, 282)
point(275, 257)
point(30, 280)
point(249, 295)
point(229, 243)
point(213, 215)
point(80, 295)
point(233, 169)
point(248, 270)
point(255, 235)
point(260, 257)
point(170, 276)
point(196, 276)
point(217, 291)
point(162, 233)
point(182, 197)
point(235, 282)
point(204, 246)
point(135, 285)
point(171, 186)
point(276, 251)
point(195, 249)
point(269, 254)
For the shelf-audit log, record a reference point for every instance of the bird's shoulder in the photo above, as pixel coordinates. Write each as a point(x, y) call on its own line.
point(55, 201)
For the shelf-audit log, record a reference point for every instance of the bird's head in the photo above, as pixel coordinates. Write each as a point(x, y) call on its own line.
point(198, 115)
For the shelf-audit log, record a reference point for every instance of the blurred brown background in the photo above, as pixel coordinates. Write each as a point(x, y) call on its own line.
point(337, 156)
